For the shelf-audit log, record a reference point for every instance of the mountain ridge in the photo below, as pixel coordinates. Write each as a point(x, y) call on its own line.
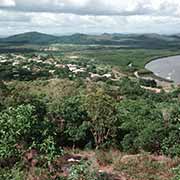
point(132, 40)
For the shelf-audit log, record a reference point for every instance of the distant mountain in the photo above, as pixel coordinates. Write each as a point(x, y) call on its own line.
point(77, 39)
point(124, 40)
point(29, 38)
point(41, 38)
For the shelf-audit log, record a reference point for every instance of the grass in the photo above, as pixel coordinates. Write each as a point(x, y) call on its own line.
point(145, 166)
point(107, 55)
point(111, 164)
point(103, 158)
point(115, 56)
point(138, 57)
point(142, 166)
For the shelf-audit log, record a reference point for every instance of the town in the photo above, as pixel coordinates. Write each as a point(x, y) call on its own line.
point(15, 66)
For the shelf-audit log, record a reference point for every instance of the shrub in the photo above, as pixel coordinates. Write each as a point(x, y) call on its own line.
point(16, 126)
point(141, 126)
point(49, 149)
point(20, 131)
point(103, 115)
point(74, 116)
point(148, 82)
point(170, 145)
point(128, 142)
point(104, 157)
point(176, 172)
point(12, 174)
point(82, 171)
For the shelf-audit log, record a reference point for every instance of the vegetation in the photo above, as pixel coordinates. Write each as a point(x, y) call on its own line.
point(149, 41)
point(53, 103)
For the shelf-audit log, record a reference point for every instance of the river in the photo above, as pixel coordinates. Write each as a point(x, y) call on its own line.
point(167, 68)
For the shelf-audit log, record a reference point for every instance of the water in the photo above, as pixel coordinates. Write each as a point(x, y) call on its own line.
point(167, 68)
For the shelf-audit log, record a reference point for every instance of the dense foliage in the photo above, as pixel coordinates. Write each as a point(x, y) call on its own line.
point(139, 120)
point(42, 113)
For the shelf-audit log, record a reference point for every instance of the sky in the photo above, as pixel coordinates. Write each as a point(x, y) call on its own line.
point(89, 16)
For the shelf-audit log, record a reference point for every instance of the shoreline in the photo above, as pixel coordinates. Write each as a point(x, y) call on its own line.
point(159, 77)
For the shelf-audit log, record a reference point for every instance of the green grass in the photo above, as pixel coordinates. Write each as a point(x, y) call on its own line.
point(114, 55)
point(106, 55)
point(123, 58)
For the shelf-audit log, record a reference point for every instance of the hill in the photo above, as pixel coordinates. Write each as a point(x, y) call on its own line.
point(124, 40)
point(29, 38)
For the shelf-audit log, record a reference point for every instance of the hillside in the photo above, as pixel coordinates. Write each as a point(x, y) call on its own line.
point(87, 112)
point(29, 38)
point(124, 40)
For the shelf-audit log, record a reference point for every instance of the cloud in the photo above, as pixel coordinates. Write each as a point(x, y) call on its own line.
point(71, 23)
point(96, 7)
point(89, 16)
point(6, 16)
point(83, 7)
point(6, 3)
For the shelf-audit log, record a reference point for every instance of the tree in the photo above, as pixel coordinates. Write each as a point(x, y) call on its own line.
point(22, 130)
point(102, 113)
point(15, 126)
point(142, 125)
point(74, 117)
point(171, 143)
point(3, 94)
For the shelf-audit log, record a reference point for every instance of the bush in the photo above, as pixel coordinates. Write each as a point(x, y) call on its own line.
point(12, 174)
point(16, 126)
point(150, 138)
point(74, 115)
point(176, 172)
point(170, 144)
point(104, 157)
point(20, 131)
point(128, 142)
point(148, 82)
point(141, 125)
point(102, 116)
point(82, 171)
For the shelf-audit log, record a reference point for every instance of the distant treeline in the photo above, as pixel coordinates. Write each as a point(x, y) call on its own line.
point(16, 50)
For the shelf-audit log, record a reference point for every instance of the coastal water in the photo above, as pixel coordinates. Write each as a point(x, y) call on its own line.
point(167, 68)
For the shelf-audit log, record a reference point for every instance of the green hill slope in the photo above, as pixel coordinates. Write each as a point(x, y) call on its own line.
point(124, 40)
point(29, 38)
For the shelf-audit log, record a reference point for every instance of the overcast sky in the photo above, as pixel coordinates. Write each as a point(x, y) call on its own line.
point(89, 16)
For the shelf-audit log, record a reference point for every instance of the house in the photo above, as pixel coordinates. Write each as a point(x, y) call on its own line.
point(3, 61)
point(72, 67)
point(51, 71)
point(107, 75)
point(81, 70)
point(97, 77)
point(15, 63)
point(73, 57)
point(60, 65)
